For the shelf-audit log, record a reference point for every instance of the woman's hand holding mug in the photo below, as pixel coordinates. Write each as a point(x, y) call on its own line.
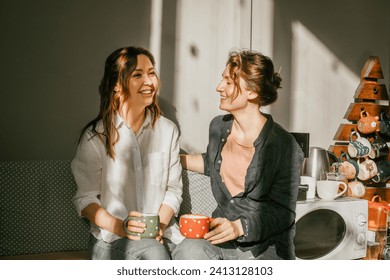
point(224, 230)
point(215, 230)
point(142, 225)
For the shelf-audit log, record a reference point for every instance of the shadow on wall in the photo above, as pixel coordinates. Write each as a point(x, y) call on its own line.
point(50, 73)
point(340, 36)
point(169, 111)
point(168, 50)
point(352, 30)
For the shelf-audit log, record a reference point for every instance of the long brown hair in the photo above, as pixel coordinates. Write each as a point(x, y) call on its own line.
point(257, 70)
point(118, 68)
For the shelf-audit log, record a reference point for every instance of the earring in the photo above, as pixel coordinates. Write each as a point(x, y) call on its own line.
point(117, 88)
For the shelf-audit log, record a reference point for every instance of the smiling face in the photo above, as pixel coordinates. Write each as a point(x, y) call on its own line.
point(231, 99)
point(143, 83)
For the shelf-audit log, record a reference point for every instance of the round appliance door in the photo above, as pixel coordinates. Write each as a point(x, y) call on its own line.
point(318, 233)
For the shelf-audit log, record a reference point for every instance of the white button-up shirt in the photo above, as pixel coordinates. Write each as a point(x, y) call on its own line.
point(145, 173)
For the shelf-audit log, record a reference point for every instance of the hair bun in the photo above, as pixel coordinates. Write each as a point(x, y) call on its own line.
point(277, 80)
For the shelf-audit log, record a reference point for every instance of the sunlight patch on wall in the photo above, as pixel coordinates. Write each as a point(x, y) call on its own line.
point(207, 32)
point(322, 88)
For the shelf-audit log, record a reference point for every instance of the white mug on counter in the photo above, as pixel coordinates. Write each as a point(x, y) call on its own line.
point(311, 183)
point(329, 190)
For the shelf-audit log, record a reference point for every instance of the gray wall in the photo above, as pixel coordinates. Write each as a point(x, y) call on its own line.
point(51, 60)
point(52, 55)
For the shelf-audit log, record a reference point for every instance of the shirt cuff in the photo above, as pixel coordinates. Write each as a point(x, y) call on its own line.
point(205, 164)
point(80, 204)
point(245, 228)
point(172, 201)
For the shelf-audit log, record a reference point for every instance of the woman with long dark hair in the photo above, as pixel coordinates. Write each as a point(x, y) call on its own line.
point(127, 162)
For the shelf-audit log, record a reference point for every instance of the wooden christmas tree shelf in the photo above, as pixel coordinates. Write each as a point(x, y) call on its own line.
point(371, 97)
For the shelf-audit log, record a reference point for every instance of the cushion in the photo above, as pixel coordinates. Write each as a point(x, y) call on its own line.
point(37, 214)
point(197, 195)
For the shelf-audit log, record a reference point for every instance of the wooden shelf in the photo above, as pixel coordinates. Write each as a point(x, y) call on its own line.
point(338, 148)
point(371, 90)
point(372, 69)
point(344, 132)
point(383, 192)
point(353, 112)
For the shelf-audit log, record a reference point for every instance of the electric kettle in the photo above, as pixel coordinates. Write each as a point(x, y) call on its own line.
point(318, 163)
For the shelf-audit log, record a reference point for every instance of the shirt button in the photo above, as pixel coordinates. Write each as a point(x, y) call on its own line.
point(223, 140)
point(138, 168)
point(219, 161)
point(231, 201)
point(228, 130)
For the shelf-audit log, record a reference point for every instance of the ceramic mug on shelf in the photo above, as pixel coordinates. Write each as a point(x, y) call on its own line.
point(356, 189)
point(379, 148)
point(384, 125)
point(348, 167)
point(152, 222)
point(383, 173)
point(367, 124)
point(329, 190)
point(360, 147)
point(367, 169)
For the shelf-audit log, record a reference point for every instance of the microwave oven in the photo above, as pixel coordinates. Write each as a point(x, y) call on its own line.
point(331, 230)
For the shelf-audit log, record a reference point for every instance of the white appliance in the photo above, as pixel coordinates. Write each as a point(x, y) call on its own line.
point(331, 230)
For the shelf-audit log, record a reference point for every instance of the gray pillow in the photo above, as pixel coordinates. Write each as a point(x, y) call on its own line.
point(197, 195)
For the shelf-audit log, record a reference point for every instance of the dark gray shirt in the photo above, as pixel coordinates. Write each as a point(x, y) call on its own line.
point(266, 207)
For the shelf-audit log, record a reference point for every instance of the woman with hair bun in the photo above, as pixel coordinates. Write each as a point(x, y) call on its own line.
point(254, 166)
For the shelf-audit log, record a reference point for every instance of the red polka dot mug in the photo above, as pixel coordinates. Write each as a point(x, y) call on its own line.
point(194, 225)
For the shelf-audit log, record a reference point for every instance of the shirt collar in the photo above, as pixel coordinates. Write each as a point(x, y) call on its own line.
point(119, 122)
point(228, 122)
point(265, 131)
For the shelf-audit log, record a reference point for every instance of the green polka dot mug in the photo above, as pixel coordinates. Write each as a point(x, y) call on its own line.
point(152, 222)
